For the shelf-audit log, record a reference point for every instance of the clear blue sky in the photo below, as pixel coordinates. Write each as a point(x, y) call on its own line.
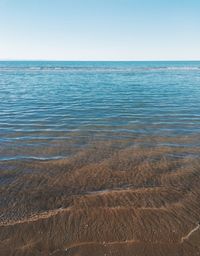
point(100, 29)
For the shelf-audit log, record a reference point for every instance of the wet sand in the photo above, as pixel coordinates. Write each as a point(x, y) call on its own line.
point(107, 199)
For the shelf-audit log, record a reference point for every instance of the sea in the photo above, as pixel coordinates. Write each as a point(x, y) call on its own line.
point(50, 109)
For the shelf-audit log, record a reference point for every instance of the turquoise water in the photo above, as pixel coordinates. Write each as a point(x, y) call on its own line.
point(48, 108)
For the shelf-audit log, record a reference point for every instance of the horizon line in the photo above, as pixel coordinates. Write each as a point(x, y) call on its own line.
point(97, 60)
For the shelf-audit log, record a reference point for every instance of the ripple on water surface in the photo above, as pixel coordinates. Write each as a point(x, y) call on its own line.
point(50, 108)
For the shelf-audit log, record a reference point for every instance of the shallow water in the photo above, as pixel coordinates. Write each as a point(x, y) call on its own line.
point(99, 158)
point(49, 109)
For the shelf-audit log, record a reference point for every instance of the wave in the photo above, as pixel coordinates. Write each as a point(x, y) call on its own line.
point(95, 69)
point(32, 158)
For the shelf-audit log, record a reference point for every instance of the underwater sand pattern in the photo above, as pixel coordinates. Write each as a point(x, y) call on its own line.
point(108, 199)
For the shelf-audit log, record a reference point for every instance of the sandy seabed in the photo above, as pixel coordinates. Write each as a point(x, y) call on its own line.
point(110, 198)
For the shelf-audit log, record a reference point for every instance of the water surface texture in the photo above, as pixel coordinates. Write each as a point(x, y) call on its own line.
point(100, 158)
point(50, 108)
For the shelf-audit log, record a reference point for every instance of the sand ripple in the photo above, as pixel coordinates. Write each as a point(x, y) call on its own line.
point(104, 201)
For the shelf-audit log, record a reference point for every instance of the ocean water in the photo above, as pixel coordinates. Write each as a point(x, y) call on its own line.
point(49, 109)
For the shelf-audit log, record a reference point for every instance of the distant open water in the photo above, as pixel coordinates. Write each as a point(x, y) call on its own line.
point(48, 106)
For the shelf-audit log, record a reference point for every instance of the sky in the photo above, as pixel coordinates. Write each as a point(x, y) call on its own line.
point(99, 29)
